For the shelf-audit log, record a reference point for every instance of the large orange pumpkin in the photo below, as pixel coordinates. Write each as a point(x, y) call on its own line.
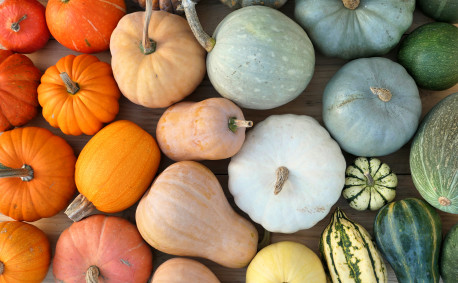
point(84, 25)
point(38, 167)
point(114, 169)
point(79, 94)
point(19, 80)
point(102, 249)
point(25, 253)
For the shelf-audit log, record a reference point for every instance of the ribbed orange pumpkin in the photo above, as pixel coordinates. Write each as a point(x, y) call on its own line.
point(114, 169)
point(25, 253)
point(19, 80)
point(186, 213)
point(183, 270)
point(102, 249)
point(39, 168)
point(79, 94)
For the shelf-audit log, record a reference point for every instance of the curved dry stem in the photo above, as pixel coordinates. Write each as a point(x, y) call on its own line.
point(382, 93)
point(202, 37)
point(25, 173)
point(92, 274)
point(71, 86)
point(79, 208)
point(282, 176)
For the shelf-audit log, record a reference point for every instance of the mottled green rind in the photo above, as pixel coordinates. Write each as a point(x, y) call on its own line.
point(449, 256)
point(440, 10)
point(408, 233)
point(430, 55)
point(433, 155)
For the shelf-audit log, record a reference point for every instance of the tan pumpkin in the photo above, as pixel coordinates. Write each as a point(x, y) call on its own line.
point(156, 59)
point(183, 270)
point(186, 213)
point(210, 129)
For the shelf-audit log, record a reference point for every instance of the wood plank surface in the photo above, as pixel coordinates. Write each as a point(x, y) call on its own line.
point(211, 12)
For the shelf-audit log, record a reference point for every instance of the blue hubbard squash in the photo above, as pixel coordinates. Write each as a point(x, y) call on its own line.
point(433, 156)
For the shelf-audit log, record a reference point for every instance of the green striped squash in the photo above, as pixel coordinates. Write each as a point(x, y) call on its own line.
point(369, 184)
point(449, 256)
point(350, 253)
point(408, 233)
point(434, 158)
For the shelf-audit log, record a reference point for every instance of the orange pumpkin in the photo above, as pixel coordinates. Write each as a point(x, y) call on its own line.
point(38, 170)
point(114, 169)
point(159, 66)
point(19, 80)
point(25, 253)
point(183, 270)
point(102, 249)
point(210, 129)
point(79, 94)
point(186, 213)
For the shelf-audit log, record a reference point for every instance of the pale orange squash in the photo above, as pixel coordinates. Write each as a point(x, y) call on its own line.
point(114, 169)
point(25, 253)
point(156, 62)
point(210, 129)
point(183, 270)
point(186, 213)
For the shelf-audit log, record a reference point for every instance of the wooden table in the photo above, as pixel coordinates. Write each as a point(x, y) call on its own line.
point(211, 12)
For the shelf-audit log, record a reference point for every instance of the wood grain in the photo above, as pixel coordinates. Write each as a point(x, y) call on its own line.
point(211, 12)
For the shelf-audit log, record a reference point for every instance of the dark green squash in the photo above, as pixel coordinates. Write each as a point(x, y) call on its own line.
point(449, 256)
point(237, 4)
point(430, 55)
point(408, 234)
point(440, 10)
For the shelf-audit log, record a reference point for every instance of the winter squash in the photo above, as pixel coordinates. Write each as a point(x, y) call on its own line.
point(152, 55)
point(36, 173)
point(288, 173)
point(430, 55)
point(93, 248)
point(440, 10)
point(171, 6)
point(19, 79)
point(254, 66)
point(237, 4)
point(408, 233)
point(352, 29)
point(369, 184)
point(25, 253)
point(23, 26)
point(285, 262)
point(79, 94)
point(186, 213)
point(84, 25)
point(210, 129)
point(183, 270)
point(449, 256)
point(114, 169)
point(433, 158)
point(371, 106)
point(349, 252)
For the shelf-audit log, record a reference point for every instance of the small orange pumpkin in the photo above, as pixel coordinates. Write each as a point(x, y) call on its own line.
point(39, 168)
point(79, 94)
point(102, 247)
point(114, 169)
point(183, 270)
point(210, 129)
point(25, 253)
point(19, 79)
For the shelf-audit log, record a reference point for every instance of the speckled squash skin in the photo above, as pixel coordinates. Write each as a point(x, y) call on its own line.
point(262, 59)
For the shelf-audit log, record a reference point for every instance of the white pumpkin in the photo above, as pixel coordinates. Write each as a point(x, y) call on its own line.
point(288, 173)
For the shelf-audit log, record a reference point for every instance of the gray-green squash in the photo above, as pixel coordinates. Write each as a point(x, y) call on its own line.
point(352, 29)
point(440, 10)
point(258, 57)
point(237, 4)
point(434, 156)
point(449, 256)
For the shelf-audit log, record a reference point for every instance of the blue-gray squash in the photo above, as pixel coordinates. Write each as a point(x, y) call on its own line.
point(237, 4)
point(352, 29)
point(371, 107)
point(258, 57)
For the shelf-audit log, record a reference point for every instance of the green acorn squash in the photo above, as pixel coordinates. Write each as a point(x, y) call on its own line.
point(408, 233)
point(440, 10)
point(433, 156)
point(449, 256)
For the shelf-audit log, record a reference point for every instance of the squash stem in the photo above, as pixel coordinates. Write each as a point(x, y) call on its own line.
point(79, 208)
point(71, 86)
point(351, 4)
point(148, 45)
point(282, 176)
point(92, 274)
point(235, 123)
point(382, 93)
point(203, 38)
point(25, 173)
point(444, 201)
point(2, 267)
point(370, 180)
point(15, 26)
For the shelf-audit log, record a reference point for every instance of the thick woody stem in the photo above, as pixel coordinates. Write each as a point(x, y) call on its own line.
point(282, 176)
point(71, 86)
point(25, 173)
point(79, 208)
point(15, 26)
point(235, 123)
point(370, 180)
point(444, 201)
point(148, 46)
point(92, 274)
point(351, 4)
point(382, 93)
point(203, 38)
point(2, 268)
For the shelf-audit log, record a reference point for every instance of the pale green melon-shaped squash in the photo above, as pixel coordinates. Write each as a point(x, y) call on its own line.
point(352, 29)
point(258, 57)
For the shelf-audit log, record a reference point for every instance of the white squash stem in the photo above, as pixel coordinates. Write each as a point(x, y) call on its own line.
point(235, 123)
point(202, 37)
point(282, 176)
point(351, 4)
point(79, 208)
point(25, 173)
point(92, 274)
point(382, 93)
point(71, 86)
